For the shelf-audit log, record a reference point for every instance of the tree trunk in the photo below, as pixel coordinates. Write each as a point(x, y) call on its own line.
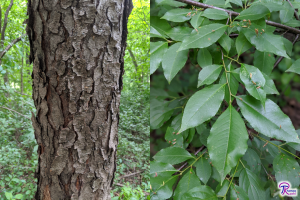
point(77, 49)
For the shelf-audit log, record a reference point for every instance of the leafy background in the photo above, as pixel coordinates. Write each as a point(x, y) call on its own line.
point(184, 61)
point(18, 148)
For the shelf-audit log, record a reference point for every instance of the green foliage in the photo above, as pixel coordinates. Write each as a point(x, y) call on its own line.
point(18, 148)
point(216, 86)
point(128, 193)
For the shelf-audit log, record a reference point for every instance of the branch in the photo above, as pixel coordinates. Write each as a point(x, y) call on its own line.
point(5, 23)
point(133, 59)
point(130, 174)
point(182, 166)
point(2, 53)
point(0, 18)
point(232, 13)
point(295, 40)
point(15, 112)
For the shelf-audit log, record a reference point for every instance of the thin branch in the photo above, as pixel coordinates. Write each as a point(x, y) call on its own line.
point(232, 13)
point(295, 40)
point(5, 23)
point(0, 19)
point(295, 12)
point(233, 35)
point(2, 53)
point(132, 174)
point(182, 166)
point(15, 112)
point(133, 59)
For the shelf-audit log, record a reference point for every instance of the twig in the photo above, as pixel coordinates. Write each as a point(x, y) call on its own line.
point(5, 23)
point(295, 40)
point(130, 174)
point(233, 35)
point(202, 5)
point(119, 184)
point(295, 12)
point(200, 149)
point(2, 53)
point(15, 112)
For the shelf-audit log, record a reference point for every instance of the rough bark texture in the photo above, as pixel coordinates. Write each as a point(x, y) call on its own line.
point(77, 49)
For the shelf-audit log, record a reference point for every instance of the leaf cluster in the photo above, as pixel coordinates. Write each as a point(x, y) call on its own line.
point(248, 144)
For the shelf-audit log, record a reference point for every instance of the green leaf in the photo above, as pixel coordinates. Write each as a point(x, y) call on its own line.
point(8, 195)
point(269, 87)
point(157, 51)
point(209, 74)
point(288, 46)
point(197, 20)
point(227, 141)
point(242, 44)
point(286, 169)
point(161, 169)
point(203, 169)
point(173, 61)
point(215, 14)
point(159, 113)
point(266, 42)
point(171, 137)
point(206, 36)
point(253, 80)
point(188, 181)
point(165, 190)
point(295, 146)
point(203, 137)
point(19, 196)
point(217, 3)
point(236, 192)
point(237, 2)
point(178, 33)
point(155, 33)
point(221, 189)
point(264, 61)
point(254, 12)
point(225, 42)
point(251, 184)
point(172, 3)
point(293, 23)
point(202, 192)
point(172, 155)
point(176, 122)
point(204, 58)
point(271, 4)
point(253, 160)
point(270, 121)
point(295, 67)
point(202, 106)
point(177, 15)
point(162, 26)
point(286, 13)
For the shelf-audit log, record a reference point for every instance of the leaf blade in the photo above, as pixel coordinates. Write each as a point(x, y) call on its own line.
point(270, 121)
point(227, 141)
point(199, 103)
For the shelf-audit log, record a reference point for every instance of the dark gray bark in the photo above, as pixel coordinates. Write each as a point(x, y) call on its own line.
point(77, 49)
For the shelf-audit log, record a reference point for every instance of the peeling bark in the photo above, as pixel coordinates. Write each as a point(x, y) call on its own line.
point(77, 50)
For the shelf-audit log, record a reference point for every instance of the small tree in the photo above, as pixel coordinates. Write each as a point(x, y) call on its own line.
point(77, 50)
point(247, 144)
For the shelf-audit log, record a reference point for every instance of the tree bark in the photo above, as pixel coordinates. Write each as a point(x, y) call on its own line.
point(77, 49)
